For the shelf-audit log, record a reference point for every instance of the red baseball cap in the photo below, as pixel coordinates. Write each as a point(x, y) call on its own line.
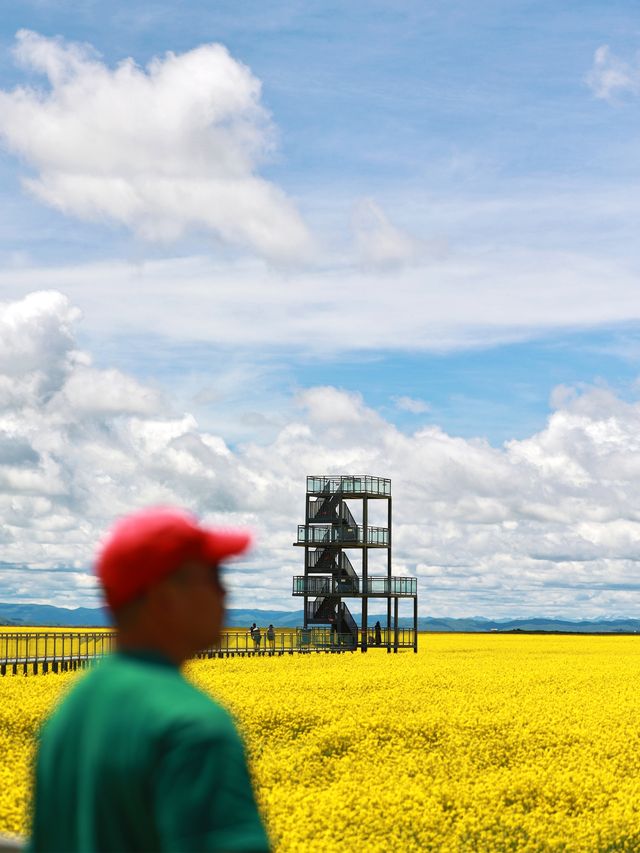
point(146, 546)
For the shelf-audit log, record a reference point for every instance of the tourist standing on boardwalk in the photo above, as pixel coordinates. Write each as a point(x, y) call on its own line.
point(136, 758)
point(271, 636)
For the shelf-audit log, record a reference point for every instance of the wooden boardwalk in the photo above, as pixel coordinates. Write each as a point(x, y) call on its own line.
point(41, 652)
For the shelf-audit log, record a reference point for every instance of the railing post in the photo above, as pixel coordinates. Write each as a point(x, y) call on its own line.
point(395, 622)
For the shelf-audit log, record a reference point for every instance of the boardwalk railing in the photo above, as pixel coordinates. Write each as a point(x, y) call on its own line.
point(307, 640)
point(56, 651)
point(40, 651)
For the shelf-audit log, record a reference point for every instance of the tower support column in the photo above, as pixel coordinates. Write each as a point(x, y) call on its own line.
point(365, 575)
point(389, 576)
point(306, 576)
point(395, 624)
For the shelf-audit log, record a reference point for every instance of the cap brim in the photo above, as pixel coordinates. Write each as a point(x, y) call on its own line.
point(220, 544)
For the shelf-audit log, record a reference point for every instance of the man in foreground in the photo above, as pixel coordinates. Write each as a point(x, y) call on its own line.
point(136, 758)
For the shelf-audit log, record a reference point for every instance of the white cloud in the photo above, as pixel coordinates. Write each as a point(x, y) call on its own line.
point(381, 245)
point(462, 302)
point(611, 76)
point(105, 392)
point(411, 404)
point(561, 395)
point(548, 524)
point(33, 329)
point(328, 405)
point(162, 150)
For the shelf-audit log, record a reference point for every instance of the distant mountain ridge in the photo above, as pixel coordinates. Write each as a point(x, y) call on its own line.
point(46, 615)
point(546, 625)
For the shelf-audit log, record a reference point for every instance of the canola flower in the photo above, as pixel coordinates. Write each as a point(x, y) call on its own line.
point(478, 742)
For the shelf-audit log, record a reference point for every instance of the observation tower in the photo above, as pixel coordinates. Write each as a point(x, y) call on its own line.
point(330, 531)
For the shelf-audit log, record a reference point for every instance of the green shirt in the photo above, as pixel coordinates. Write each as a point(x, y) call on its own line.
point(137, 759)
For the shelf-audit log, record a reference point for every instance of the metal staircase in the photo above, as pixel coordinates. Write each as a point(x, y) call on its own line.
point(328, 609)
point(325, 509)
point(347, 626)
point(332, 561)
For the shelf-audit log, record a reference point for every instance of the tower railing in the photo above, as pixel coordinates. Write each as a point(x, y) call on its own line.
point(357, 484)
point(374, 585)
point(326, 534)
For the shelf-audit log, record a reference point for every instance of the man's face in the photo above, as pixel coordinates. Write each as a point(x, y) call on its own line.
point(199, 604)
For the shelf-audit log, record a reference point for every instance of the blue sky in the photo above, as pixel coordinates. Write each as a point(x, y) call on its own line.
point(445, 195)
point(422, 106)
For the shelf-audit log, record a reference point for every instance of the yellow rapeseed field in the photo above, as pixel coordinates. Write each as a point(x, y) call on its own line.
point(479, 742)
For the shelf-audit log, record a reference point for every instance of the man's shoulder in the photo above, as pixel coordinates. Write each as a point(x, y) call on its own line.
point(177, 705)
point(196, 713)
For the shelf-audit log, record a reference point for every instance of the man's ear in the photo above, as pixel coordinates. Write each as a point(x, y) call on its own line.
point(162, 600)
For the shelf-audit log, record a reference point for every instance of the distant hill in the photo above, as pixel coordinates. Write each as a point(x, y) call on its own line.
point(478, 624)
point(279, 618)
point(46, 615)
point(41, 615)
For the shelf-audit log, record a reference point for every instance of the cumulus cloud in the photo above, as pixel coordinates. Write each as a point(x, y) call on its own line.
point(107, 392)
point(80, 445)
point(548, 524)
point(161, 150)
point(329, 405)
point(611, 76)
point(49, 319)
